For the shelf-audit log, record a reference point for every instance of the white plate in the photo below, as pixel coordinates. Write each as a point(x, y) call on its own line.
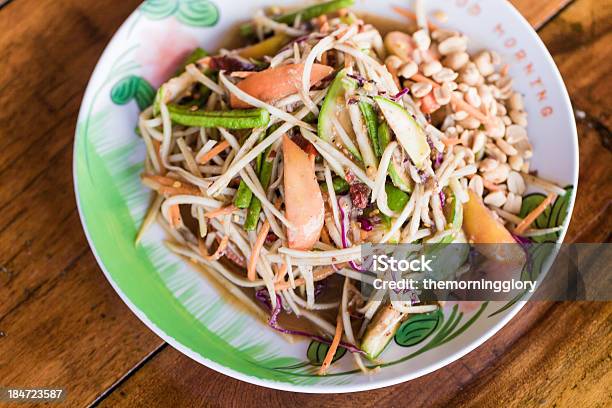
point(174, 299)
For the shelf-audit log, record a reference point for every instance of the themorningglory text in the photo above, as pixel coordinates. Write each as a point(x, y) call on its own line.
point(497, 286)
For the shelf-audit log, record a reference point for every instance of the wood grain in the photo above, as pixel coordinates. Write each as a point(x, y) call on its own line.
point(539, 12)
point(558, 363)
point(61, 323)
point(579, 39)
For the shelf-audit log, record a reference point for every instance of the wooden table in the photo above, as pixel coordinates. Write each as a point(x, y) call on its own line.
point(61, 324)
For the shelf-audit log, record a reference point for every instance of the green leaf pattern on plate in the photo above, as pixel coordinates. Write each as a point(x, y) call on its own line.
point(133, 87)
point(196, 13)
point(159, 9)
point(417, 328)
point(317, 351)
point(553, 216)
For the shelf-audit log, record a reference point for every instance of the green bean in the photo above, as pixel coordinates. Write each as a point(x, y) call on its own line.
point(243, 196)
point(306, 14)
point(264, 167)
point(371, 120)
point(232, 119)
point(265, 174)
point(340, 185)
point(396, 198)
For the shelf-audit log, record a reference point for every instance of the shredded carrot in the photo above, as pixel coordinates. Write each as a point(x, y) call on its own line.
point(164, 181)
point(534, 214)
point(221, 211)
point(232, 255)
point(168, 181)
point(217, 254)
point(170, 186)
point(172, 191)
point(157, 146)
point(259, 242)
point(410, 15)
point(175, 215)
point(463, 105)
point(333, 347)
point(214, 151)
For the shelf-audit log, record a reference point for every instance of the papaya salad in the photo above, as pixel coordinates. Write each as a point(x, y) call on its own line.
point(272, 164)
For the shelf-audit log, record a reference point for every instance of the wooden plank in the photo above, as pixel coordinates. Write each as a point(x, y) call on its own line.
point(592, 209)
point(579, 39)
point(539, 12)
point(47, 61)
point(61, 322)
point(555, 364)
point(74, 333)
point(186, 383)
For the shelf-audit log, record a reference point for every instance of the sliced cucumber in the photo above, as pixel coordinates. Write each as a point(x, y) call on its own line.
point(398, 176)
point(334, 106)
point(371, 121)
point(381, 330)
point(453, 210)
point(408, 133)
